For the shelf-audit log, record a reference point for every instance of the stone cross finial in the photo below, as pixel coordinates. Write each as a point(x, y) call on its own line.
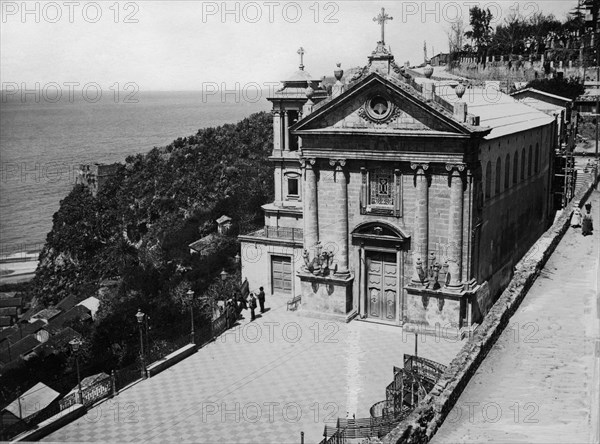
point(381, 19)
point(301, 52)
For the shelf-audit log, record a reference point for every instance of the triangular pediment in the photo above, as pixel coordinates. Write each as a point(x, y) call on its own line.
point(379, 105)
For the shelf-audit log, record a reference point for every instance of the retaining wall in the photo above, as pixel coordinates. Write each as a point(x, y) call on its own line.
point(429, 415)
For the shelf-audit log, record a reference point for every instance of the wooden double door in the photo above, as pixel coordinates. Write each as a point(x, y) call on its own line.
point(381, 270)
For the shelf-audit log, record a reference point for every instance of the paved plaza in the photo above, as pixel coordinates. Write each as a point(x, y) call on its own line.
point(263, 382)
point(540, 381)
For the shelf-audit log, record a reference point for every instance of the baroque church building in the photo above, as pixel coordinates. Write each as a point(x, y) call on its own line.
point(400, 199)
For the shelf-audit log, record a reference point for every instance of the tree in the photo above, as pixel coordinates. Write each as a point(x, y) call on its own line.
point(481, 31)
point(455, 34)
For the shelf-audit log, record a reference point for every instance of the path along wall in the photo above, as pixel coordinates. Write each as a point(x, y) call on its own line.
point(429, 415)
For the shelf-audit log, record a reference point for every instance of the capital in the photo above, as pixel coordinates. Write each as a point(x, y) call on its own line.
point(276, 112)
point(460, 167)
point(337, 163)
point(419, 166)
point(307, 162)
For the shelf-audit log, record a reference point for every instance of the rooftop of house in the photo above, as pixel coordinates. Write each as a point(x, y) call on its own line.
point(16, 332)
point(537, 92)
point(46, 314)
point(9, 351)
point(32, 401)
point(92, 304)
point(79, 312)
point(11, 302)
point(67, 303)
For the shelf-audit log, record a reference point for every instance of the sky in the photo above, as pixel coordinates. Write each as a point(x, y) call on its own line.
point(195, 45)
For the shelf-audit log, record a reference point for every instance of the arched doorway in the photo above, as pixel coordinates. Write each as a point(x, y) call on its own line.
point(381, 278)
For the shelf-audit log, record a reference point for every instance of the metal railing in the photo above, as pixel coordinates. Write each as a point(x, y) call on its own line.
point(284, 233)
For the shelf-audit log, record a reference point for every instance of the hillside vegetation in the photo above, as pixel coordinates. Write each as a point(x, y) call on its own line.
point(137, 231)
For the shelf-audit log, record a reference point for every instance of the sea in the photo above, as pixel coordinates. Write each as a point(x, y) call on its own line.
point(45, 138)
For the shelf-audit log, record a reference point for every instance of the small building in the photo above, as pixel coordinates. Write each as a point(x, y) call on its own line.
point(96, 175)
point(34, 400)
point(551, 104)
point(91, 304)
point(223, 225)
point(440, 59)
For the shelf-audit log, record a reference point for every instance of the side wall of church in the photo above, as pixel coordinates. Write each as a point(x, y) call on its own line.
point(514, 205)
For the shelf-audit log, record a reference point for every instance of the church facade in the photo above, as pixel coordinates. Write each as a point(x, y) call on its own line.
point(400, 200)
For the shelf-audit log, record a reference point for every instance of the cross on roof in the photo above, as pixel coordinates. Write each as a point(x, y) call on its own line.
point(301, 52)
point(381, 19)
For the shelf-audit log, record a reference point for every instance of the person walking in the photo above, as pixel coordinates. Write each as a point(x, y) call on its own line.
point(252, 307)
point(261, 299)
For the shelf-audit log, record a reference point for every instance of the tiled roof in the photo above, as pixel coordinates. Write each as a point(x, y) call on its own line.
point(59, 340)
point(17, 349)
point(11, 302)
point(77, 312)
point(8, 311)
point(47, 314)
point(67, 303)
point(5, 321)
point(26, 328)
point(32, 401)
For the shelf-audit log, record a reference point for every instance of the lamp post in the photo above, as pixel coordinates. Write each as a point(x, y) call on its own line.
point(75, 345)
point(140, 318)
point(224, 275)
point(190, 293)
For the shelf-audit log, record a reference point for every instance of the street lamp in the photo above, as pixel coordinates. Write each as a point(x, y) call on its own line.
point(140, 318)
point(190, 293)
point(224, 275)
point(75, 345)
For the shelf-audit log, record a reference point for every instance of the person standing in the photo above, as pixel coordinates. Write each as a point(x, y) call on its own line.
point(587, 224)
point(261, 299)
point(252, 307)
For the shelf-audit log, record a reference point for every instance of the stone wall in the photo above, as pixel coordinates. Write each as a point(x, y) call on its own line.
point(425, 420)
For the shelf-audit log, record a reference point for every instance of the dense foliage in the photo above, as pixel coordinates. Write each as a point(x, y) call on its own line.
point(523, 32)
point(571, 87)
point(138, 228)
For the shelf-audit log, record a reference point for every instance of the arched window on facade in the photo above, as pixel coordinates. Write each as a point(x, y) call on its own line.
point(516, 168)
point(537, 158)
point(498, 176)
point(507, 171)
point(529, 161)
point(488, 180)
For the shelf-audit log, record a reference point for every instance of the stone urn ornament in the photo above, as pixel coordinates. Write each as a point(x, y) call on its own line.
point(460, 90)
point(428, 71)
point(339, 72)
